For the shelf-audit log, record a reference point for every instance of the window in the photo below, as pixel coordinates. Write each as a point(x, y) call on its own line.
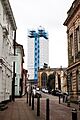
point(35, 49)
point(38, 51)
point(35, 75)
point(78, 38)
point(38, 46)
point(35, 69)
point(71, 85)
point(35, 59)
point(35, 44)
point(35, 53)
point(38, 61)
point(35, 64)
point(78, 81)
point(71, 44)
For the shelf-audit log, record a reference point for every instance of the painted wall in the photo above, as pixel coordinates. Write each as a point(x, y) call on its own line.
point(18, 70)
point(6, 49)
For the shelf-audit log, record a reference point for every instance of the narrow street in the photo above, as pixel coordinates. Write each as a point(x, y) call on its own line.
point(20, 110)
point(57, 111)
point(39, 58)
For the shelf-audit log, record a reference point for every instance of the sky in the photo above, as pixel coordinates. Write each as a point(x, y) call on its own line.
point(50, 14)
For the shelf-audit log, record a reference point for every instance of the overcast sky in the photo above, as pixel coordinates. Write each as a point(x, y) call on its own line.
point(50, 14)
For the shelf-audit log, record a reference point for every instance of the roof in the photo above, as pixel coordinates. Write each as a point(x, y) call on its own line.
point(74, 7)
point(21, 46)
point(53, 69)
point(41, 33)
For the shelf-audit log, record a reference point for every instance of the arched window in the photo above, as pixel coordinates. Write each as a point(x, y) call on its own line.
point(59, 82)
point(51, 81)
point(43, 79)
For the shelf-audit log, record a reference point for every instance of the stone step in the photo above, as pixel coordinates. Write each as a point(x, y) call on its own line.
point(3, 107)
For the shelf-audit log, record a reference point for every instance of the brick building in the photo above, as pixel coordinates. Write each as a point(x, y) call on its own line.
point(73, 35)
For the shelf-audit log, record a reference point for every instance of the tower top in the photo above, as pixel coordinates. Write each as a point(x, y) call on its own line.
point(40, 33)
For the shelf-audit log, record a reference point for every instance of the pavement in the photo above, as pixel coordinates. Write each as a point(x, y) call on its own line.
point(20, 110)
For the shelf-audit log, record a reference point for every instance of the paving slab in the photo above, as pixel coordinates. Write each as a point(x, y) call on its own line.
point(18, 110)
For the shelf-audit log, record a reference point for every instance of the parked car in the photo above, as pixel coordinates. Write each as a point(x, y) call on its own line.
point(37, 88)
point(36, 93)
point(45, 90)
point(57, 92)
point(65, 93)
point(49, 91)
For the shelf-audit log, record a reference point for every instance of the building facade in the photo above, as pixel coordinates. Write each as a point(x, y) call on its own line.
point(19, 70)
point(73, 35)
point(24, 83)
point(55, 77)
point(38, 52)
point(7, 29)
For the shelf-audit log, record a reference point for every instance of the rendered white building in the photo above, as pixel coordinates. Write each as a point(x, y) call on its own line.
point(19, 70)
point(7, 28)
point(38, 52)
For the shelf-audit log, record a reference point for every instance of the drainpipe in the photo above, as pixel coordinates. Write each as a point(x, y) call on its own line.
point(14, 74)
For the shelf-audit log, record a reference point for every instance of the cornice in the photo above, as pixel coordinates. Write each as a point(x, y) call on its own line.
point(8, 9)
point(75, 6)
point(73, 65)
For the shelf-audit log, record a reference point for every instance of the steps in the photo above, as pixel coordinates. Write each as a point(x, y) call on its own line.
point(3, 106)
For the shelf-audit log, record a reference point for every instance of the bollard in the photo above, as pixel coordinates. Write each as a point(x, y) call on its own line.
point(27, 97)
point(74, 114)
point(38, 106)
point(47, 109)
point(30, 99)
point(79, 104)
point(32, 102)
point(59, 99)
point(68, 103)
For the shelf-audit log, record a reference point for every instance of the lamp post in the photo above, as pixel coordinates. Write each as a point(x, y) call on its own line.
point(13, 80)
